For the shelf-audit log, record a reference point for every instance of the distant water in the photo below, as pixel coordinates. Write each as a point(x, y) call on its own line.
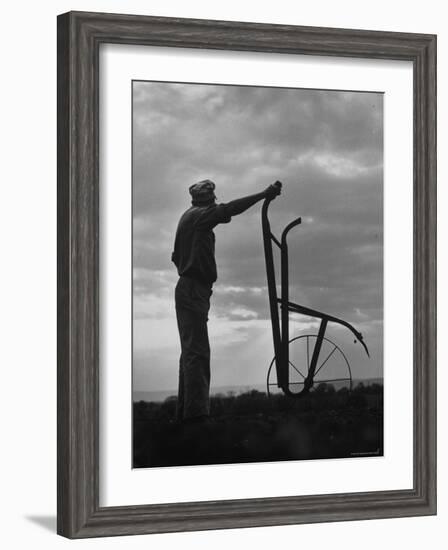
point(159, 396)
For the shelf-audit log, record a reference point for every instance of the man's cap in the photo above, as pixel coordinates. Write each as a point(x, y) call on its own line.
point(202, 191)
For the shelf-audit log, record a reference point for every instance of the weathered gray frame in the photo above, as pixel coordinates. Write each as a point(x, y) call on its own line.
point(79, 37)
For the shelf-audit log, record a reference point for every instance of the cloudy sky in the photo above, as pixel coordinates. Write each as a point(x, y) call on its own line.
point(327, 149)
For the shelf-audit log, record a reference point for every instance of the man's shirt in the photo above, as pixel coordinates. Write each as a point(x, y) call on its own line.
point(194, 246)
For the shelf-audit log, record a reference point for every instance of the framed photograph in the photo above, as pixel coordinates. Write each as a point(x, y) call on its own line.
point(246, 274)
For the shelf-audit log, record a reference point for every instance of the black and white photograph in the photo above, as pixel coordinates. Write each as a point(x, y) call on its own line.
point(224, 258)
point(257, 274)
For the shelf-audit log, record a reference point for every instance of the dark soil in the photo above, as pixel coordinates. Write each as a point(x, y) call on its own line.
point(253, 427)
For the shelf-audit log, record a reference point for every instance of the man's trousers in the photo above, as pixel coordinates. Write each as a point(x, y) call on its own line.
point(192, 306)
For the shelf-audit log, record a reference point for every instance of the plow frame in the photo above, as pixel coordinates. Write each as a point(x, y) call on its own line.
point(280, 322)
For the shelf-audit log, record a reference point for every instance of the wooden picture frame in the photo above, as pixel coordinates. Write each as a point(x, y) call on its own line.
point(79, 38)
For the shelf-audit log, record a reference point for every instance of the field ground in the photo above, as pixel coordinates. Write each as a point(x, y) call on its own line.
point(253, 427)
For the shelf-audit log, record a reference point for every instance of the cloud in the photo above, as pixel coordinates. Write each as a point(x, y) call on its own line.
point(326, 147)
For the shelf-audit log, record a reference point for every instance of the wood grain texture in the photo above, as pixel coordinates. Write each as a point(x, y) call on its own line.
point(79, 37)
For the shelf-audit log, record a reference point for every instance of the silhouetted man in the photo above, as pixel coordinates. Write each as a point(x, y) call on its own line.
point(194, 257)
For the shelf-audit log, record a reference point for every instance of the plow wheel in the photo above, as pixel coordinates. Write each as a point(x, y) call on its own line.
point(332, 367)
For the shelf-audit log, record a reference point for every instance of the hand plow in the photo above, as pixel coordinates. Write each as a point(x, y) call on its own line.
point(293, 379)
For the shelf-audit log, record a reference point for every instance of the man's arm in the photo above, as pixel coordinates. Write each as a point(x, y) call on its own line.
point(238, 206)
